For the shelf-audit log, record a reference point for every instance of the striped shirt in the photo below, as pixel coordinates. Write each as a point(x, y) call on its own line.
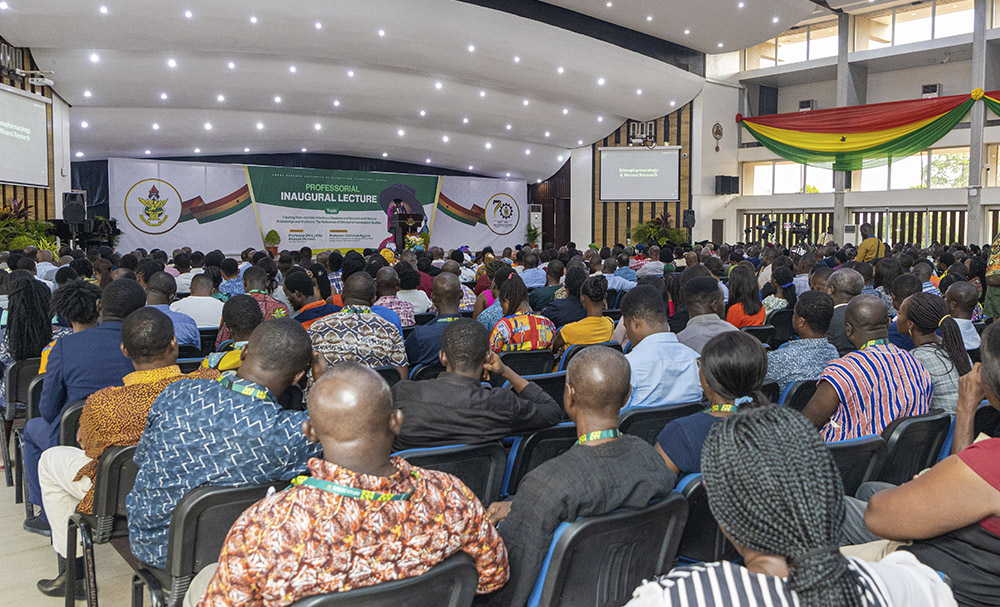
point(896, 581)
point(875, 385)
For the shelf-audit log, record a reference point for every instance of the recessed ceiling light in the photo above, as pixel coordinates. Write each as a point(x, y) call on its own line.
point(565, 111)
point(538, 181)
point(336, 103)
point(600, 118)
point(488, 145)
point(208, 126)
point(304, 150)
point(188, 14)
point(245, 150)
point(147, 152)
point(470, 167)
point(260, 126)
point(291, 68)
point(86, 93)
point(579, 142)
point(720, 45)
point(560, 69)
point(428, 161)
point(600, 82)
point(104, 10)
point(232, 65)
point(94, 58)
point(220, 98)
point(509, 127)
point(649, 17)
point(163, 96)
point(350, 73)
point(318, 126)
point(740, 5)
point(607, 4)
point(319, 25)
point(385, 154)
point(525, 102)
point(171, 63)
point(560, 158)
point(79, 154)
point(517, 59)
point(197, 150)
point(381, 33)
point(774, 20)
point(84, 124)
point(638, 91)
point(277, 99)
point(527, 152)
point(508, 174)
point(445, 139)
point(253, 19)
point(156, 126)
point(547, 134)
point(482, 93)
point(438, 85)
point(672, 103)
point(465, 121)
point(423, 112)
point(686, 32)
point(472, 48)
point(400, 132)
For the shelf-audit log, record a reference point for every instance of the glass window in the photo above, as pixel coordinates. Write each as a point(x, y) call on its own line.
point(762, 55)
point(823, 40)
point(913, 24)
point(818, 181)
point(875, 179)
point(792, 46)
point(950, 168)
point(787, 178)
point(757, 178)
point(873, 30)
point(953, 17)
point(909, 173)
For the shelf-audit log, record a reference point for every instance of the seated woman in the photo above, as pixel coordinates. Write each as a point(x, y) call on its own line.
point(944, 357)
point(777, 494)
point(732, 369)
point(409, 291)
point(745, 308)
point(488, 309)
point(783, 283)
point(519, 329)
point(595, 328)
point(75, 303)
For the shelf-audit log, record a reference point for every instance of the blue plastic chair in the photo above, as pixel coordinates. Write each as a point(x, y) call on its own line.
point(859, 460)
point(480, 467)
point(576, 349)
point(527, 452)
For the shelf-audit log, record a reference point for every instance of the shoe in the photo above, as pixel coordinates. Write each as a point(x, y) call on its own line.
point(57, 587)
point(38, 525)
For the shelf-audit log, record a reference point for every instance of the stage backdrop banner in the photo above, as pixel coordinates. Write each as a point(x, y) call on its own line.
point(479, 212)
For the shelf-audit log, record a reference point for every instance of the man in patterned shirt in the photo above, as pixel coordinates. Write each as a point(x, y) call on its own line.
point(386, 287)
point(807, 357)
point(114, 416)
point(255, 285)
point(355, 540)
point(861, 393)
point(468, 301)
point(357, 333)
point(225, 432)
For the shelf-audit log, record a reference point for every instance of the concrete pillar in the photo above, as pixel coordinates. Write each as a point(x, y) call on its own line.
point(976, 228)
point(844, 88)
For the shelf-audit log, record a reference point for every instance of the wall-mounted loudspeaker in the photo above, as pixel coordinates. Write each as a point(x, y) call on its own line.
point(74, 208)
point(688, 220)
point(725, 184)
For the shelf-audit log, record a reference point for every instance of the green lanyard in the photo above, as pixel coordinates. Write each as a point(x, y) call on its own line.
point(247, 388)
point(723, 408)
point(257, 291)
point(352, 492)
point(874, 342)
point(598, 435)
point(357, 310)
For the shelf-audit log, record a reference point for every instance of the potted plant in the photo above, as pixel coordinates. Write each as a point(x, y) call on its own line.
point(531, 234)
point(271, 242)
point(658, 231)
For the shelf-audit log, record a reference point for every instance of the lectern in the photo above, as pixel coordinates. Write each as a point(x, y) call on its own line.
point(403, 224)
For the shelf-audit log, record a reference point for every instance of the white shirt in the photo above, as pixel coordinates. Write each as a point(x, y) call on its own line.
point(664, 372)
point(42, 269)
point(421, 303)
point(969, 334)
point(206, 311)
point(184, 280)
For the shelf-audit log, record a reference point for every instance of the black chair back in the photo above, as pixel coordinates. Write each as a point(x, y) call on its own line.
point(598, 561)
point(187, 351)
point(480, 467)
point(423, 318)
point(553, 384)
point(17, 379)
point(771, 391)
point(987, 421)
point(532, 362)
point(800, 393)
point(912, 445)
point(407, 331)
point(576, 349)
point(781, 320)
point(703, 540)
point(69, 423)
point(646, 423)
point(612, 298)
point(979, 326)
point(208, 337)
point(859, 460)
point(450, 583)
point(421, 372)
point(388, 373)
point(538, 448)
point(34, 397)
point(188, 365)
point(764, 333)
point(116, 472)
point(614, 314)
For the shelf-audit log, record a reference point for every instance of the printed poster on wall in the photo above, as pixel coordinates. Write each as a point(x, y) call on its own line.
point(480, 212)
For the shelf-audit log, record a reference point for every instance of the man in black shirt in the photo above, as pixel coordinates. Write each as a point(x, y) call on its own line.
point(424, 343)
point(564, 311)
point(543, 296)
point(455, 409)
point(603, 472)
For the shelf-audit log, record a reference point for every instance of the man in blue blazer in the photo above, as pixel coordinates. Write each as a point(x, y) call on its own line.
point(79, 365)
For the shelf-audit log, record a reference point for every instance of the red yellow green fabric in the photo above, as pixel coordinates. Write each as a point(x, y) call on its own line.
point(992, 101)
point(459, 213)
point(204, 212)
point(856, 137)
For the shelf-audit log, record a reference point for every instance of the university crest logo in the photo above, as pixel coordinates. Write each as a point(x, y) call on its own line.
point(153, 206)
point(153, 216)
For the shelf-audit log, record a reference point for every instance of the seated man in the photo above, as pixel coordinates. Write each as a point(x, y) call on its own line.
point(806, 357)
point(962, 297)
point(603, 472)
point(160, 290)
point(200, 305)
point(240, 315)
point(843, 286)
point(533, 276)
point(304, 298)
point(902, 287)
point(74, 372)
point(569, 309)
point(424, 343)
point(352, 542)
point(703, 298)
point(468, 295)
point(454, 408)
point(615, 282)
point(663, 371)
point(541, 297)
point(243, 436)
point(114, 416)
point(386, 288)
point(923, 270)
point(861, 393)
point(232, 283)
point(357, 332)
point(255, 284)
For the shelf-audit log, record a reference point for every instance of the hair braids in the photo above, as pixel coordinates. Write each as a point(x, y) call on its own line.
point(29, 326)
point(928, 313)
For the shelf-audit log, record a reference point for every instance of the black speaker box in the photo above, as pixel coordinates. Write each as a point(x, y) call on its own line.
point(688, 221)
point(74, 207)
point(725, 184)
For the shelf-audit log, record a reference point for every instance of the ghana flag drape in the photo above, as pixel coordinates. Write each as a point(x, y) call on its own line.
point(863, 136)
point(992, 101)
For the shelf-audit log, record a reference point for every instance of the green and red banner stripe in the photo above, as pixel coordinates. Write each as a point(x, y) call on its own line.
point(459, 213)
point(205, 212)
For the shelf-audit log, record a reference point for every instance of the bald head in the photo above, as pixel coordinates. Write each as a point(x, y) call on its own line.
point(598, 382)
point(386, 282)
point(844, 284)
point(866, 318)
point(447, 291)
point(359, 290)
point(962, 298)
point(452, 267)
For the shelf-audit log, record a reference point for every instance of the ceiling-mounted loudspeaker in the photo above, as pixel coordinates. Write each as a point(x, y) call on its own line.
point(726, 184)
point(74, 208)
point(688, 218)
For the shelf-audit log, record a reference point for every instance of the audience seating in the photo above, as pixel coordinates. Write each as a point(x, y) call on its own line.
point(69, 423)
point(611, 298)
point(703, 540)
point(30, 411)
point(781, 320)
point(226, 346)
point(389, 374)
point(407, 331)
point(190, 352)
point(600, 560)
point(576, 349)
point(527, 452)
point(949, 440)
point(292, 399)
point(480, 467)
point(423, 318)
point(912, 445)
point(17, 377)
point(859, 460)
point(647, 422)
point(198, 530)
point(765, 333)
point(772, 392)
point(450, 583)
point(980, 326)
point(116, 472)
point(208, 337)
point(797, 394)
point(466, 313)
point(553, 384)
point(533, 362)
point(421, 372)
point(189, 364)
point(614, 314)
point(987, 421)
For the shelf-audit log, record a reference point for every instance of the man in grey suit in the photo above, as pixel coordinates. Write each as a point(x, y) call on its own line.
point(843, 286)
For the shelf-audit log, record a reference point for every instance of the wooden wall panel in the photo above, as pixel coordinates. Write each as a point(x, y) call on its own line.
point(41, 201)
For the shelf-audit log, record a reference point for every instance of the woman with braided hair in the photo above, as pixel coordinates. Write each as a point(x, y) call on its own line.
point(594, 328)
point(519, 329)
point(776, 492)
point(783, 282)
point(732, 369)
point(944, 358)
